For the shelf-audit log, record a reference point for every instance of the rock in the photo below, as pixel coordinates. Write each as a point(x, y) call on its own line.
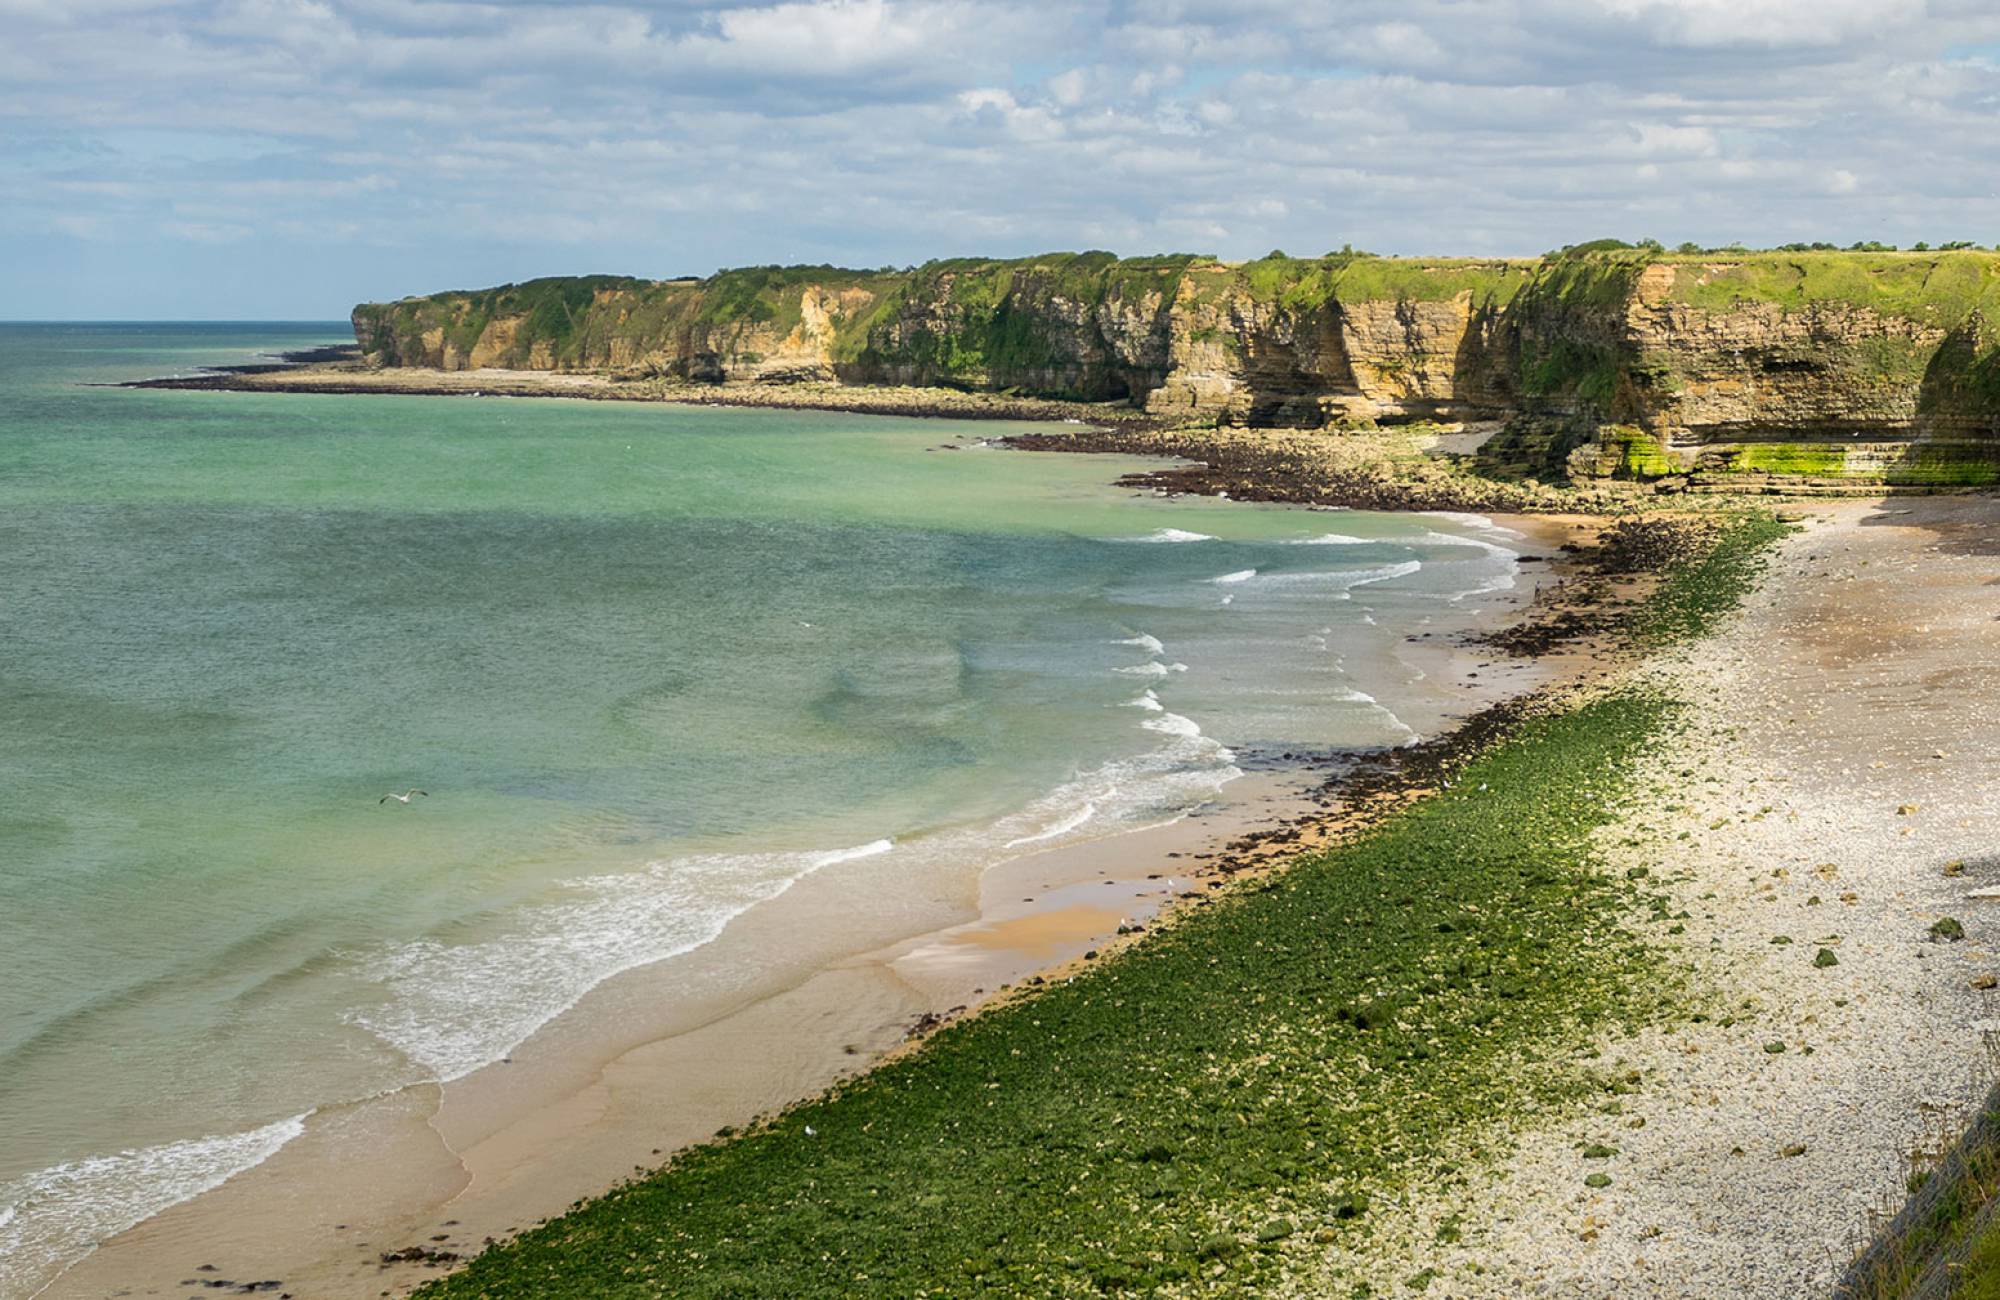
point(1795, 1149)
point(1301, 344)
point(1985, 980)
point(1276, 1230)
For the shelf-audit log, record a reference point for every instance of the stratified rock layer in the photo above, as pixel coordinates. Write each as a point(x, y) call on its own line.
point(1837, 366)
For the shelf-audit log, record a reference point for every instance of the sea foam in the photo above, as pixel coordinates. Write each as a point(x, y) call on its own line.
point(1152, 669)
point(454, 1008)
point(78, 1204)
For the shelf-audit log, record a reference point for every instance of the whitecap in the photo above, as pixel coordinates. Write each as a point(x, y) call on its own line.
point(1386, 573)
point(1170, 535)
point(74, 1206)
point(1241, 575)
point(1341, 580)
point(1482, 522)
point(1150, 644)
point(457, 1007)
point(1498, 582)
point(1147, 701)
point(1172, 724)
point(1333, 539)
point(1480, 543)
point(1063, 827)
point(1153, 669)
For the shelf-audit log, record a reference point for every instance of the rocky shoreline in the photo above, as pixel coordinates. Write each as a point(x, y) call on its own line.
point(1411, 466)
point(334, 371)
point(1127, 991)
point(1825, 878)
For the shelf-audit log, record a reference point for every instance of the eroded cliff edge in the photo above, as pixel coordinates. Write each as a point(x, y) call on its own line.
point(1814, 365)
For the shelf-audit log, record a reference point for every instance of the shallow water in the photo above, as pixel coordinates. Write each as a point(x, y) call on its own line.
point(652, 664)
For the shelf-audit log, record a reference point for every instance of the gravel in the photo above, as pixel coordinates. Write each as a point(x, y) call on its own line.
point(1840, 755)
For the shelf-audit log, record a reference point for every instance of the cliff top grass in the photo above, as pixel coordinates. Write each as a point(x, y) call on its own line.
point(1305, 283)
point(1939, 289)
point(1228, 1104)
point(1092, 326)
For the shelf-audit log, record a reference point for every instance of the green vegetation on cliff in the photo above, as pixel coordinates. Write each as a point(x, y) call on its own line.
point(550, 312)
point(1035, 322)
point(1938, 290)
point(1301, 285)
point(1690, 349)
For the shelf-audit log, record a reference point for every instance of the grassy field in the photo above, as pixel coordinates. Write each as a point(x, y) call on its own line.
point(1946, 1240)
point(1230, 1104)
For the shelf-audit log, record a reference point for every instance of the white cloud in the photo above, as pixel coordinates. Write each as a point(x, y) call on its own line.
point(530, 136)
point(207, 232)
point(1656, 139)
point(1770, 23)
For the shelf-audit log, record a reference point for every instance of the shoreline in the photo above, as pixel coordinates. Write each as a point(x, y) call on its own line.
point(1561, 636)
point(313, 374)
point(727, 1202)
point(474, 1155)
point(1825, 800)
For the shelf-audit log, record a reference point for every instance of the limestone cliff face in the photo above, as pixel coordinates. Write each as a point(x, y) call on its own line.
point(1762, 370)
point(1645, 364)
point(1263, 363)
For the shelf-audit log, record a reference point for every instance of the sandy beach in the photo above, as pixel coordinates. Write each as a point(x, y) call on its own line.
point(849, 971)
point(1827, 766)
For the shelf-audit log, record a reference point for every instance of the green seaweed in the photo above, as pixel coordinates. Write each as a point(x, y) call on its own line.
point(1182, 1112)
point(1945, 464)
point(1278, 1073)
point(1816, 459)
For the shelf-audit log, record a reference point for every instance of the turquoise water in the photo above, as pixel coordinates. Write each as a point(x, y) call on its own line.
point(652, 664)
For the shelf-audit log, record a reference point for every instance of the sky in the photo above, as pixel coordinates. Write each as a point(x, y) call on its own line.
point(267, 159)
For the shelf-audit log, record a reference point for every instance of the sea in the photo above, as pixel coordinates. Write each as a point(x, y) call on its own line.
point(647, 667)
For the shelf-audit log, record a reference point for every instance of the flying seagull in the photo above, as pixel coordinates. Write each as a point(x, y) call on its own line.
point(403, 798)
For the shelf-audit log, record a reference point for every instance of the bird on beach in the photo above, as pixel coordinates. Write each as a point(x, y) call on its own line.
point(402, 798)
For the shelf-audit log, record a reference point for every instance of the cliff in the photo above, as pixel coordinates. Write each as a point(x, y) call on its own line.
point(1838, 366)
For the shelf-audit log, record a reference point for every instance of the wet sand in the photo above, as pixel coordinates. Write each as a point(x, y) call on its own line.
point(848, 966)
